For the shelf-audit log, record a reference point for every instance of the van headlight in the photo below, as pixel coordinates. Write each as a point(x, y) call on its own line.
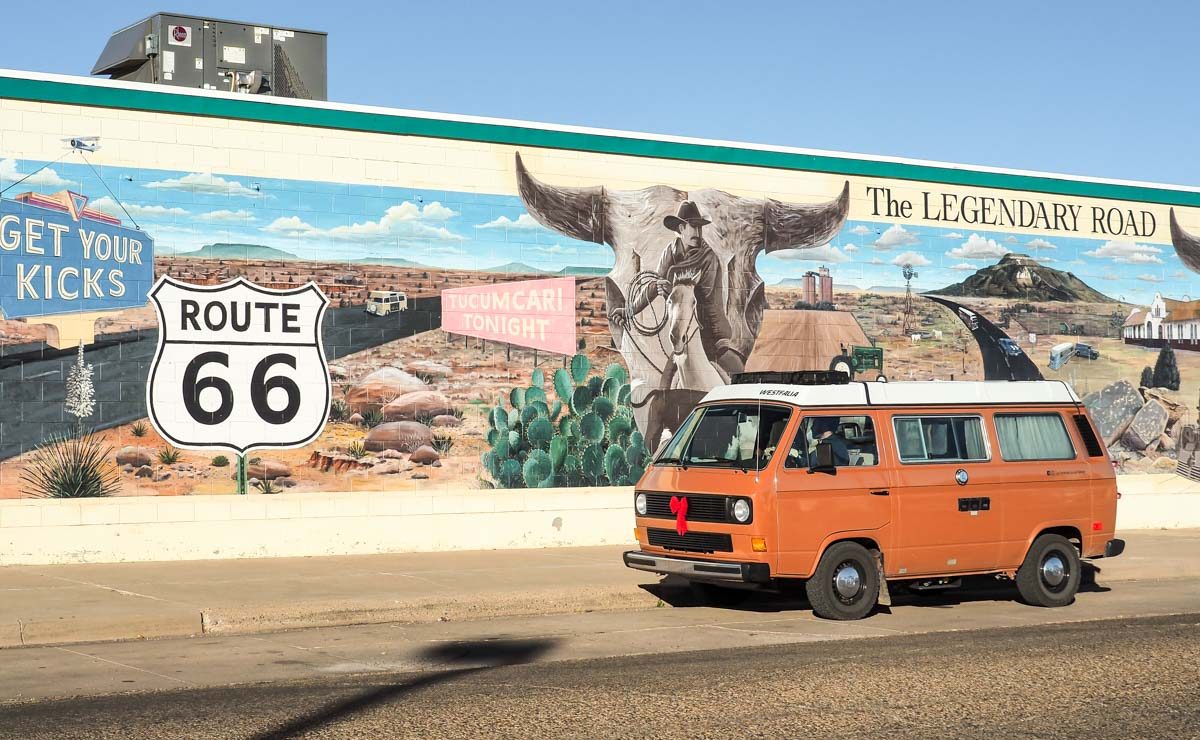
point(741, 510)
point(639, 503)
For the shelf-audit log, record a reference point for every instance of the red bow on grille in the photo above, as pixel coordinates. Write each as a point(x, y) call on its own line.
point(679, 509)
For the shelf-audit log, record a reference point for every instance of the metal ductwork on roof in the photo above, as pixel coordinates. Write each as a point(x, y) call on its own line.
point(212, 54)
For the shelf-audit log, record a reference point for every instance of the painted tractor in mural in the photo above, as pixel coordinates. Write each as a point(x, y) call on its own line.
point(858, 360)
point(684, 298)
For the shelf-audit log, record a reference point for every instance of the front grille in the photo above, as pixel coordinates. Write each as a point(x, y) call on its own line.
point(690, 542)
point(700, 508)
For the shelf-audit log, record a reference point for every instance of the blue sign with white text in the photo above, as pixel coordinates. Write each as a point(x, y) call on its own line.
point(57, 256)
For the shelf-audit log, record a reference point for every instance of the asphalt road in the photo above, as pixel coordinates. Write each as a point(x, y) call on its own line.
point(32, 387)
point(997, 364)
point(1121, 678)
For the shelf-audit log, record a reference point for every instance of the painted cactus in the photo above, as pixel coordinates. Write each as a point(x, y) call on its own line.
point(583, 436)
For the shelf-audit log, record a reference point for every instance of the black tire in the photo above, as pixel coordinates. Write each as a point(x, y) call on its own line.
point(714, 595)
point(1050, 574)
point(843, 363)
point(823, 593)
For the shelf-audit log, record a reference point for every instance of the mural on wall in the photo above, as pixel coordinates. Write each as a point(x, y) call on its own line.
point(553, 337)
point(684, 298)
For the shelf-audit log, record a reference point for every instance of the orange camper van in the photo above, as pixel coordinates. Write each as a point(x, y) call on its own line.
point(807, 477)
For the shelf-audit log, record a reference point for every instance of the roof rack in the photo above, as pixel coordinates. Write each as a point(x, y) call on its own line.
point(796, 377)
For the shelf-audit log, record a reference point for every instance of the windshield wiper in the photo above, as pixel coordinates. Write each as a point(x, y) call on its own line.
point(681, 462)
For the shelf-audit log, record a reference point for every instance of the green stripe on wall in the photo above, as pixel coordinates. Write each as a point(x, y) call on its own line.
point(250, 110)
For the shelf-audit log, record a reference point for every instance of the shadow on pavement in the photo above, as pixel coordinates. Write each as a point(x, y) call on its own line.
point(679, 593)
point(472, 656)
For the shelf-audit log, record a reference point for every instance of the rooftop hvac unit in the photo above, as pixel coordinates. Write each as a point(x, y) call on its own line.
point(212, 54)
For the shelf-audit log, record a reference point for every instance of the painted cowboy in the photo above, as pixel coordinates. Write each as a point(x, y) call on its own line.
point(690, 253)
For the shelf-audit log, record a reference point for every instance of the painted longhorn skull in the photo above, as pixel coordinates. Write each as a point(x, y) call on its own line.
point(1187, 246)
point(632, 223)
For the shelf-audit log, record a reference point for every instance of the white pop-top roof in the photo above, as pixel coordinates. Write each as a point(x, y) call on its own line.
point(920, 393)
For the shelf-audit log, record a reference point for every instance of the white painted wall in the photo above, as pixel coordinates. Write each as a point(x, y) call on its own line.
point(154, 528)
point(309, 524)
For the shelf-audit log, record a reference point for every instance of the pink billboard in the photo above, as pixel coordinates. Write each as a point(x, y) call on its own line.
point(538, 314)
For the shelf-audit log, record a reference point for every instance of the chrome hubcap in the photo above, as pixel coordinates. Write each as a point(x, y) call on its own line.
point(1054, 571)
point(847, 580)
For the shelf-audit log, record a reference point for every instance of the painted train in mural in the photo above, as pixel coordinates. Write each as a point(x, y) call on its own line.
point(552, 338)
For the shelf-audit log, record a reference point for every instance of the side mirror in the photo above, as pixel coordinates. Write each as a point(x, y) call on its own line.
point(822, 459)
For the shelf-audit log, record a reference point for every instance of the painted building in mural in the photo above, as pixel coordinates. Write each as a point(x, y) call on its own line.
point(518, 305)
point(1165, 321)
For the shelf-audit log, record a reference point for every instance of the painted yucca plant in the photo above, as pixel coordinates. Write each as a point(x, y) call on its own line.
point(357, 450)
point(139, 429)
point(80, 400)
point(443, 443)
point(66, 466)
point(372, 418)
point(339, 410)
point(168, 456)
point(267, 486)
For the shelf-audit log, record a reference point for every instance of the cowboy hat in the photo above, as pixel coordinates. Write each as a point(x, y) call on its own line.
point(687, 213)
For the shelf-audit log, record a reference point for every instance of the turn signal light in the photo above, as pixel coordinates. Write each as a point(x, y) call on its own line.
point(758, 544)
point(635, 533)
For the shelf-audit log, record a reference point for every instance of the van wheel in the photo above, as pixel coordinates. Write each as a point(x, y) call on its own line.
point(845, 584)
point(1049, 576)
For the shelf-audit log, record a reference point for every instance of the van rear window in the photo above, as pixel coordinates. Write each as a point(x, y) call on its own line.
point(940, 438)
point(1033, 437)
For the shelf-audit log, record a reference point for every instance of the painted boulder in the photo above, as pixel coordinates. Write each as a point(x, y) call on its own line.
point(424, 455)
point(378, 389)
point(418, 405)
point(266, 469)
point(402, 436)
point(1146, 427)
point(1113, 408)
point(135, 456)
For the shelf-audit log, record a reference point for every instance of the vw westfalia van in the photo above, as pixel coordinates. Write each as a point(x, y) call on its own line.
point(386, 302)
point(844, 485)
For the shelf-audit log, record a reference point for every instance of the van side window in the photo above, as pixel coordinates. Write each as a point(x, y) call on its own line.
point(940, 438)
point(1089, 436)
point(1033, 437)
point(852, 437)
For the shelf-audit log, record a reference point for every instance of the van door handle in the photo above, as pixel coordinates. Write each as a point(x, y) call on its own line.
point(883, 492)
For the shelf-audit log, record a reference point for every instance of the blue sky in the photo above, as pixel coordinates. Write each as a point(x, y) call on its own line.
point(1095, 87)
point(1077, 87)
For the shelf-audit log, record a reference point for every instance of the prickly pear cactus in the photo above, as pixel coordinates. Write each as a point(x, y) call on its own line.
point(577, 432)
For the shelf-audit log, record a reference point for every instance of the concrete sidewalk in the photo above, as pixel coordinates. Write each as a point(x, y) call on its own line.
point(45, 605)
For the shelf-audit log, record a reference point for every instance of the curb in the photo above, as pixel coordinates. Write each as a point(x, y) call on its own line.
point(241, 621)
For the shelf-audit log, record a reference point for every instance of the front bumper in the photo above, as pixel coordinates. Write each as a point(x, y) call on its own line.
point(698, 570)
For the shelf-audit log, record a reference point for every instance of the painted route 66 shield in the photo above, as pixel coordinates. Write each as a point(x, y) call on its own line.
point(238, 365)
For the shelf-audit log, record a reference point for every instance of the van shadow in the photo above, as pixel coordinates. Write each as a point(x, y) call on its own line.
point(461, 658)
point(680, 593)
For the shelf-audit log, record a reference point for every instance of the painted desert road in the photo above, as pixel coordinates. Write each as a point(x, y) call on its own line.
point(997, 363)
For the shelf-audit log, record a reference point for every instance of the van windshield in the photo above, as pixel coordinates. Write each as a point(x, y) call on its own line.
point(741, 435)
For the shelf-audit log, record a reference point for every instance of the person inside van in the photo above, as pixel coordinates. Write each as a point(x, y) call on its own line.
point(824, 428)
